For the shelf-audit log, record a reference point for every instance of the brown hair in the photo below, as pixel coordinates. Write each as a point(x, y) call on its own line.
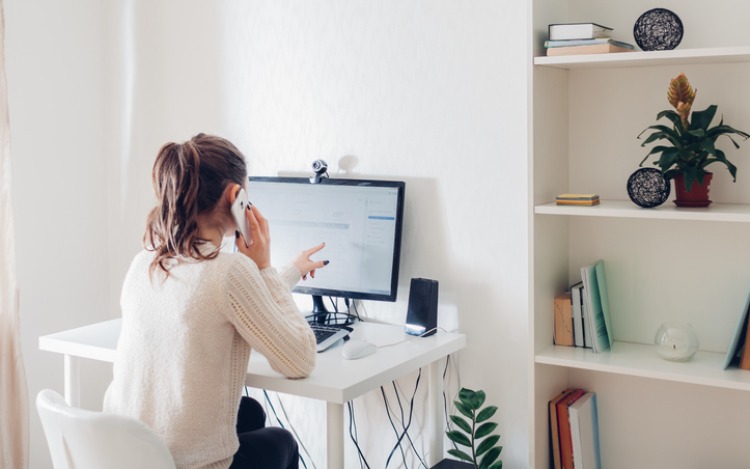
point(188, 178)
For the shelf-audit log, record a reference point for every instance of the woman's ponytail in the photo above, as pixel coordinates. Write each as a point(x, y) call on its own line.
point(188, 179)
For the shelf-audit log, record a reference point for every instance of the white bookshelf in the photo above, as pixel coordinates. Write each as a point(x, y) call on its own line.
point(639, 360)
point(667, 211)
point(664, 263)
point(716, 55)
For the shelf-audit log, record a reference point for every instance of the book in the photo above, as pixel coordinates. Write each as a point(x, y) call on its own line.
point(587, 42)
point(554, 428)
point(576, 298)
point(603, 48)
point(584, 431)
point(586, 315)
point(735, 353)
point(577, 199)
point(563, 428)
point(563, 320)
point(596, 299)
point(577, 31)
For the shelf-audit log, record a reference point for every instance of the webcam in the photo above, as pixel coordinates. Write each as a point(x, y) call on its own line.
point(320, 168)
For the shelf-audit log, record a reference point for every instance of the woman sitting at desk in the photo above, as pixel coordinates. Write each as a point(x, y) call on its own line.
point(191, 314)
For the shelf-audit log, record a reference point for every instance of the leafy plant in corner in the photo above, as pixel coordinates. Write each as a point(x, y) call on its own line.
point(690, 143)
point(476, 428)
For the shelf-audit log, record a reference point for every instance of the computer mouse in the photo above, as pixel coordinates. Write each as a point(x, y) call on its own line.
point(357, 348)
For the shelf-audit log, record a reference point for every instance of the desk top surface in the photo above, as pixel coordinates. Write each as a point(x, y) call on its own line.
point(334, 378)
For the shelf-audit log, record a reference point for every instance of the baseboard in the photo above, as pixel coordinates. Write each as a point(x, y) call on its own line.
point(451, 464)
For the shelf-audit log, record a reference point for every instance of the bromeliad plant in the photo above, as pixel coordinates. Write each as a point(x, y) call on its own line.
point(474, 429)
point(690, 143)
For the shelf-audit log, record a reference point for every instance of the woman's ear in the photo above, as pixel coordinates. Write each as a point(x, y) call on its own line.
point(230, 192)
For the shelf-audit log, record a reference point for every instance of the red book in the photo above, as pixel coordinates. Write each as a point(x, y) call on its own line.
point(554, 428)
point(563, 423)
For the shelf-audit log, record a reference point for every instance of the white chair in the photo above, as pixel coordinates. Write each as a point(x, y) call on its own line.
point(83, 439)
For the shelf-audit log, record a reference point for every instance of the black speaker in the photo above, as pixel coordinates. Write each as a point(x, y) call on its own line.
point(421, 317)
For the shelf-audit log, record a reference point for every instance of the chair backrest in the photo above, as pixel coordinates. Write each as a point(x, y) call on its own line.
point(83, 439)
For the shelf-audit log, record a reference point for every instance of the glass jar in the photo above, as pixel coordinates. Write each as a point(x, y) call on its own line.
point(676, 341)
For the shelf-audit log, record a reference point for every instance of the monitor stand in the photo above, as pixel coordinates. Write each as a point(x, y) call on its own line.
point(319, 312)
point(321, 315)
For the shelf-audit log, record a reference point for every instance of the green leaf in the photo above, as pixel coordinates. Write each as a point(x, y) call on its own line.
point(484, 430)
point(458, 437)
point(496, 465)
point(460, 455)
point(490, 457)
point(486, 413)
point(464, 410)
point(471, 399)
point(461, 423)
point(702, 119)
point(486, 444)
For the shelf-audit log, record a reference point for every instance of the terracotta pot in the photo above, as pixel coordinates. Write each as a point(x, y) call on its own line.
point(698, 195)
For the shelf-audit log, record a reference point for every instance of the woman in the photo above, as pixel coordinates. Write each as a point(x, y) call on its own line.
point(191, 314)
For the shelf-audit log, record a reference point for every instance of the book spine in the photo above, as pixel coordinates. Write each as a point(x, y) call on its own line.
point(563, 320)
point(554, 428)
point(577, 314)
point(563, 421)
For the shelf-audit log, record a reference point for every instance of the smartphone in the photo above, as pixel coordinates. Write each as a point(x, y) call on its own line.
point(239, 207)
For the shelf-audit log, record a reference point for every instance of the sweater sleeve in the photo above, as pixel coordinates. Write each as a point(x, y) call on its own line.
point(263, 311)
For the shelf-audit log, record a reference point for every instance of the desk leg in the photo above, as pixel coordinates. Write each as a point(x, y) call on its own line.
point(435, 412)
point(335, 435)
point(72, 381)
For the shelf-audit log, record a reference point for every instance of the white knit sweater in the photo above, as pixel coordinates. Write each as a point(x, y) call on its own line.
point(185, 343)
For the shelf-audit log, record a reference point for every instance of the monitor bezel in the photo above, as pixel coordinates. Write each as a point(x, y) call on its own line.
point(352, 182)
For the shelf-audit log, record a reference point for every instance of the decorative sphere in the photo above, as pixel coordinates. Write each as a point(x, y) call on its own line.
point(648, 188)
point(658, 29)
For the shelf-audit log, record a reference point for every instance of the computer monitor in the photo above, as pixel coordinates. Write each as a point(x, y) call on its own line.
point(359, 220)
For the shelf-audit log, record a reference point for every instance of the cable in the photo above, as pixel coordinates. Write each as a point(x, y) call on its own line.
point(407, 338)
point(299, 440)
point(445, 400)
point(353, 423)
point(398, 440)
point(404, 426)
point(278, 420)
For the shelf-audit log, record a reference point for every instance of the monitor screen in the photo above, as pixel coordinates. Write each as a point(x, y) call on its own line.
point(359, 220)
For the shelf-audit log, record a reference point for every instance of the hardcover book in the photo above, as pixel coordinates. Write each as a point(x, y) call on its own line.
point(577, 199)
point(578, 31)
point(563, 320)
point(584, 431)
point(735, 354)
point(596, 300)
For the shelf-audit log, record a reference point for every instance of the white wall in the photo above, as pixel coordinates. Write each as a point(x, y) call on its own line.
point(431, 92)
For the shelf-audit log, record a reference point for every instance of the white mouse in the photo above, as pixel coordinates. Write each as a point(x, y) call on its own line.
point(357, 348)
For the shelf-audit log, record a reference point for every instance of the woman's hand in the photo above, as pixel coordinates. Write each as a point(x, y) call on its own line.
point(260, 248)
point(307, 266)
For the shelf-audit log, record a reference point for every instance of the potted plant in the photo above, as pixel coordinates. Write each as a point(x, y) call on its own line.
point(484, 454)
point(689, 144)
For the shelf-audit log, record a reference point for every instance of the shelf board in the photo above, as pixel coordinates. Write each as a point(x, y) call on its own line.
point(706, 368)
point(668, 211)
point(648, 59)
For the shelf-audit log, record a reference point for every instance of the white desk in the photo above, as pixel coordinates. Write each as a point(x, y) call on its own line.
point(334, 379)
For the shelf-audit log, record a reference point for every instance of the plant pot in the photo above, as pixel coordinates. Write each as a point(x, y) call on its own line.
point(698, 194)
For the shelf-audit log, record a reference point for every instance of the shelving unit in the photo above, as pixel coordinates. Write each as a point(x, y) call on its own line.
point(663, 264)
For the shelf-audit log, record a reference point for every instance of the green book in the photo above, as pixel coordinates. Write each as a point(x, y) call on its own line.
point(596, 299)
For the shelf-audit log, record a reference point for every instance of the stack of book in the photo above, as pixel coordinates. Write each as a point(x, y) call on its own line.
point(577, 199)
point(574, 430)
point(581, 315)
point(582, 38)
